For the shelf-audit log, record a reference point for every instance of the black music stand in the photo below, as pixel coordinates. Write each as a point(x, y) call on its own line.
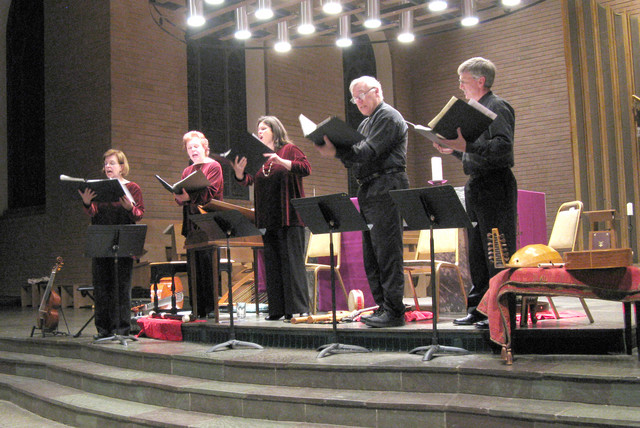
point(113, 241)
point(331, 214)
point(227, 225)
point(432, 208)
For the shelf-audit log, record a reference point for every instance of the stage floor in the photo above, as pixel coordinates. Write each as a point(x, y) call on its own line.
point(569, 335)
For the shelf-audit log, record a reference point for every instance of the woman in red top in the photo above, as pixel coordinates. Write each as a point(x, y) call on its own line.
point(110, 321)
point(197, 146)
point(276, 183)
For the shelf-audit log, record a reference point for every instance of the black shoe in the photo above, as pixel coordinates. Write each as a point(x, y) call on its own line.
point(385, 319)
point(484, 324)
point(377, 312)
point(273, 317)
point(469, 319)
point(288, 317)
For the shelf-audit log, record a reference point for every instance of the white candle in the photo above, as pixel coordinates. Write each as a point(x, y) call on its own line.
point(436, 169)
point(630, 208)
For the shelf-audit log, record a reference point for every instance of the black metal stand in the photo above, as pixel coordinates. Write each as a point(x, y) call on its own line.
point(113, 242)
point(86, 291)
point(227, 224)
point(434, 207)
point(331, 214)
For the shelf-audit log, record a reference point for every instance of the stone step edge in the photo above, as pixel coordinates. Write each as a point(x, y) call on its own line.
point(74, 349)
point(129, 413)
point(379, 400)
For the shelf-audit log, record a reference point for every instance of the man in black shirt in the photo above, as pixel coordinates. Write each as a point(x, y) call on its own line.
point(379, 163)
point(491, 192)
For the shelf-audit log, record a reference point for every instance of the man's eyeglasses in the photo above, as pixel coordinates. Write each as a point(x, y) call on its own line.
point(361, 96)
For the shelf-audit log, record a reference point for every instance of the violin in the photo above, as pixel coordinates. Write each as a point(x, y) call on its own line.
point(47, 318)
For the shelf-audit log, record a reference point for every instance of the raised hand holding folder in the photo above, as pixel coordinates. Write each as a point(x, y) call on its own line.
point(191, 183)
point(472, 118)
point(248, 146)
point(338, 131)
point(107, 189)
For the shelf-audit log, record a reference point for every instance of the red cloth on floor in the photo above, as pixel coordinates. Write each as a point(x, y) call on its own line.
point(617, 284)
point(548, 315)
point(159, 328)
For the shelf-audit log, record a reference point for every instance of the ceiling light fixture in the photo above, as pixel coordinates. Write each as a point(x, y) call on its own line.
point(437, 5)
point(332, 7)
point(282, 45)
point(242, 24)
point(469, 17)
point(373, 14)
point(214, 2)
point(406, 27)
point(196, 17)
point(306, 18)
point(344, 32)
point(264, 11)
point(510, 3)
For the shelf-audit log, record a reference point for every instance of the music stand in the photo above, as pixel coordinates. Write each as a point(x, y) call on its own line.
point(227, 225)
point(331, 214)
point(113, 241)
point(432, 208)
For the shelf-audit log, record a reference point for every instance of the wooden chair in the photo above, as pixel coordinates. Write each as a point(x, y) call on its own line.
point(317, 247)
point(445, 241)
point(563, 238)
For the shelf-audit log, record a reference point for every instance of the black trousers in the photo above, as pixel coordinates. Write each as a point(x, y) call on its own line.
point(286, 277)
point(202, 286)
point(382, 248)
point(113, 301)
point(491, 202)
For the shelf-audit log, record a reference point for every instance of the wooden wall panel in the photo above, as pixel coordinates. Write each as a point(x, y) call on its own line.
point(601, 62)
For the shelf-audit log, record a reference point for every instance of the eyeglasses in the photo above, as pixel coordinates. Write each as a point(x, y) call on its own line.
point(361, 96)
point(110, 163)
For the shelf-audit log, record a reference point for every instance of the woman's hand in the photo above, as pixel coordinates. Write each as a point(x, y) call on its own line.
point(182, 197)
point(87, 195)
point(274, 158)
point(126, 203)
point(239, 166)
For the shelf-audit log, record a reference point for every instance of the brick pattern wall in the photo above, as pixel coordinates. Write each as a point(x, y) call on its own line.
point(531, 76)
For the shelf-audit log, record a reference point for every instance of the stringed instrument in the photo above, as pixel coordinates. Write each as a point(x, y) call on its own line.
point(498, 252)
point(532, 255)
point(47, 318)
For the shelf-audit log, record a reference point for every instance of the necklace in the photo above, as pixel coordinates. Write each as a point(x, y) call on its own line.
point(268, 171)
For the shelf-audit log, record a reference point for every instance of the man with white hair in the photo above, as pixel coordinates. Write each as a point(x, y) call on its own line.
point(379, 164)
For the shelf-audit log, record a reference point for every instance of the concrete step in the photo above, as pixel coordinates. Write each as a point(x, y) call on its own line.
point(605, 380)
point(75, 407)
point(75, 391)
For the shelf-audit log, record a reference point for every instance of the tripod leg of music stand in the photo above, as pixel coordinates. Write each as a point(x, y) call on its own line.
point(339, 348)
point(431, 350)
point(84, 326)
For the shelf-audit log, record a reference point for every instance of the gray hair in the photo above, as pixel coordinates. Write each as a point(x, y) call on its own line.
point(479, 67)
point(371, 82)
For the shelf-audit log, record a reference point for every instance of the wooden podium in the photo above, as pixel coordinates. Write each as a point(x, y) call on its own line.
point(203, 241)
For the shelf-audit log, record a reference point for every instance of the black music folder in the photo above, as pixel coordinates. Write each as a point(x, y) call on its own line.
point(338, 131)
point(107, 189)
point(248, 146)
point(193, 182)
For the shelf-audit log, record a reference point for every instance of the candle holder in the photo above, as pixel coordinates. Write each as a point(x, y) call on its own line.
point(437, 182)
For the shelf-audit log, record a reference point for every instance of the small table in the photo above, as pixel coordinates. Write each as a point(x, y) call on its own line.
point(615, 284)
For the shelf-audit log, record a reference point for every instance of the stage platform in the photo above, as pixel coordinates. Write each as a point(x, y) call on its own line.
point(570, 335)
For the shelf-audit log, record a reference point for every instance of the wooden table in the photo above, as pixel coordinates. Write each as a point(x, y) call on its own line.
point(616, 284)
